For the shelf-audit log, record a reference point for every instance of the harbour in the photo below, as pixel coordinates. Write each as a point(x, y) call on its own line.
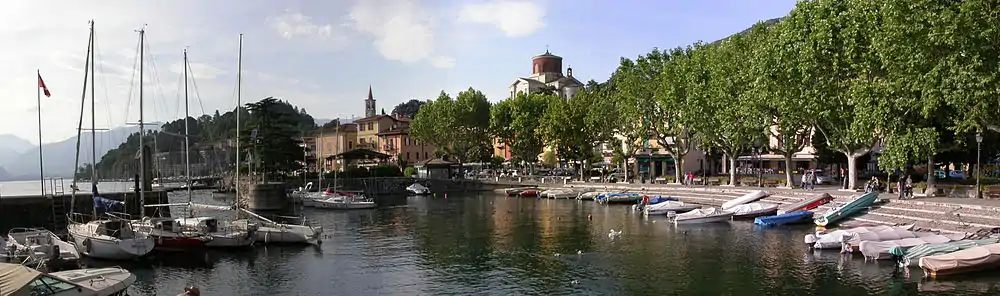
point(486, 243)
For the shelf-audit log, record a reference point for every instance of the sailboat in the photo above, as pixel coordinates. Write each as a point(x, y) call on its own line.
point(269, 231)
point(112, 237)
point(226, 235)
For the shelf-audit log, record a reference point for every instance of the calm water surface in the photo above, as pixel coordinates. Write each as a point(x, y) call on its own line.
point(490, 245)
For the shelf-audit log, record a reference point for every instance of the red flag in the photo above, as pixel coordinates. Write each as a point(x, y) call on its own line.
point(42, 85)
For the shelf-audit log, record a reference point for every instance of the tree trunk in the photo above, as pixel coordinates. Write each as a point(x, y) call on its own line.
point(678, 170)
point(931, 176)
point(852, 170)
point(788, 171)
point(625, 167)
point(732, 172)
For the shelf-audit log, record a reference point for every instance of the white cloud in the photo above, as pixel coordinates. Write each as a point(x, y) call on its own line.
point(514, 18)
point(403, 30)
point(294, 25)
point(198, 70)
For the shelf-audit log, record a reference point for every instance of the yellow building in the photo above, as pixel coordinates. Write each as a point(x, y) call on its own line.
point(333, 141)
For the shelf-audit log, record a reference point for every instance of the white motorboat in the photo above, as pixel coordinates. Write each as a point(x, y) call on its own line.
point(698, 216)
point(20, 280)
point(836, 239)
point(560, 193)
point(35, 247)
point(231, 235)
point(273, 232)
point(310, 199)
point(417, 189)
point(588, 195)
point(746, 198)
point(344, 203)
point(113, 239)
point(668, 206)
point(753, 210)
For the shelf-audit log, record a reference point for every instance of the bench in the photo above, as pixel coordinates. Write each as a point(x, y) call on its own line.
point(992, 192)
point(714, 182)
point(770, 183)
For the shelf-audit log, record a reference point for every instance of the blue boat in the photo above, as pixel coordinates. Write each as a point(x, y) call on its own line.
point(786, 218)
point(658, 199)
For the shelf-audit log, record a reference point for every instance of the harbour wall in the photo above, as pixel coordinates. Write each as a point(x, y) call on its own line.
point(50, 212)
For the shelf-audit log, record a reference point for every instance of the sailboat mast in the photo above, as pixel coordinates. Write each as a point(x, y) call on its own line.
point(142, 128)
point(79, 127)
point(93, 119)
point(93, 138)
point(41, 163)
point(187, 140)
point(239, 86)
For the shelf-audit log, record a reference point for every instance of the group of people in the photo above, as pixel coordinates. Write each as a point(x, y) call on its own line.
point(904, 186)
point(809, 180)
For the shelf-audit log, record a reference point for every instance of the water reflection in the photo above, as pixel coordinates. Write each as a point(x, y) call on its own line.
point(486, 244)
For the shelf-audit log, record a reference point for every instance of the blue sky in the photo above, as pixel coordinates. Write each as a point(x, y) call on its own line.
point(323, 55)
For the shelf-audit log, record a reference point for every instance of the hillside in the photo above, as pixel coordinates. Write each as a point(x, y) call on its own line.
point(60, 156)
point(12, 146)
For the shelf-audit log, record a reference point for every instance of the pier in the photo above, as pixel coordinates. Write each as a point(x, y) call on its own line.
point(50, 210)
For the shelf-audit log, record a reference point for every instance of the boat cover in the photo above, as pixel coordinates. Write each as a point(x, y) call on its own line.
point(785, 218)
point(700, 213)
point(204, 207)
point(749, 197)
point(975, 257)
point(911, 256)
point(14, 277)
point(880, 249)
point(835, 239)
point(416, 187)
point(806, 204)
point(886, 235)
point(665, 205)
point(752, 208)
point(659, 199)
point(104, 204)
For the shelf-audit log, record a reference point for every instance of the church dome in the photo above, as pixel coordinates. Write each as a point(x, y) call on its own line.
point(546, 63)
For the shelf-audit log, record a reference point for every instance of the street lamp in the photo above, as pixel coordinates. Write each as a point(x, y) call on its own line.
point(979, 144)
point(756, 152)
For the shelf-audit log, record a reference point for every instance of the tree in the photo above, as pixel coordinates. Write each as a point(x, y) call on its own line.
point(632, 104)
point(729, 101)
point(549, 159)
point(826, 61)
point(573, 127)
point(408, 108)
point(677, 74)
point(459, 127)
point(333, 124)
point(516, 122)
point(268, 137)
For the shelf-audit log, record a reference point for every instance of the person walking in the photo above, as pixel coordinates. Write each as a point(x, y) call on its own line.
point(843, 177)
point(909, 187)
point(812, 180)
point(901, 186)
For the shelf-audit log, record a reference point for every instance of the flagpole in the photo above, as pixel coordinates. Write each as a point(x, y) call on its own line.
point(41, 164)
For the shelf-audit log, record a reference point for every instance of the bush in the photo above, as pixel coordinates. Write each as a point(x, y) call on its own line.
point(384, 170)
point(409, 171)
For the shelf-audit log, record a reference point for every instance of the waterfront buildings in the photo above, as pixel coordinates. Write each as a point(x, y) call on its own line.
point(547, 74)
point(385, 134)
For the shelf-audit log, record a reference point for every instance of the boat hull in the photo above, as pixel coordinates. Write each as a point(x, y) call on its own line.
point(180, 244)
point(677, 209)
point(709, 219)
point(786, 218)
point(112, 249)
point(846, 210)
point(344, 205)
point(747, 198)
point(231, 240)
point(806, 204)
point(288, 234)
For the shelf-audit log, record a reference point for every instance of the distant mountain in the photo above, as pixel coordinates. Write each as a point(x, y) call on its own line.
point(60, 156)
point(770, 22)
point(12, 146)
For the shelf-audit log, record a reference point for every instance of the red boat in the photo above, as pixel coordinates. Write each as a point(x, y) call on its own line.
point(806, 204)
point(170, 236)
point(529, 193)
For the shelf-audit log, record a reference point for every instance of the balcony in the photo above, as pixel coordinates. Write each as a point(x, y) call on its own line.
point(389, 148)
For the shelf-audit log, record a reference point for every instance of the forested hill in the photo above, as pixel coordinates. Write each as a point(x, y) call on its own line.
point(208, 135)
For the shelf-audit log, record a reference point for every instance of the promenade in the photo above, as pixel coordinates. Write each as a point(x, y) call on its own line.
point(947, 214)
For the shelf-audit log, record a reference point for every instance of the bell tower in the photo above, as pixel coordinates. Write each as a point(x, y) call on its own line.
point(370, 104)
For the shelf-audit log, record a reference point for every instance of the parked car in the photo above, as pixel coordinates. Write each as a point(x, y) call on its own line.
point(822, 178)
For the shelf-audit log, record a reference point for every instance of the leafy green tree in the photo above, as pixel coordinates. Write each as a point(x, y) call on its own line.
point(677, 74)
point(268, 137)
point(826, 61)
point(633, 104)
point(516, 122)
point(460, 127)
point(573, 127)
point(729, 101)
point(549, 159)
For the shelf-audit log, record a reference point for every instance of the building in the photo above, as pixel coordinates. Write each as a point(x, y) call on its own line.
point(332, 141)
point(386, 134)
point(547, 73)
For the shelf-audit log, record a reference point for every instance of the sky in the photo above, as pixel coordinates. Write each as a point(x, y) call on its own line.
point(321, 55)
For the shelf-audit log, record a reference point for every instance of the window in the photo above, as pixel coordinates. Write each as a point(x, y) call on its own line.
point(425, 154)
point(407, 155)
point(361, 141)
point(361, 127)
point(47, 285)
point(369, 126)
point(350, 145)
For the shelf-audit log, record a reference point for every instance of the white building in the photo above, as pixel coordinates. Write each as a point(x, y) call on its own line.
point(547, 73)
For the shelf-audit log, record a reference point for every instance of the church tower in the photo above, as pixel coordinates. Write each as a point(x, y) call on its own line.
point(370, 104)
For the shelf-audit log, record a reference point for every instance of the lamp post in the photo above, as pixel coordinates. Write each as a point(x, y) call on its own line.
point(979, 144)
point(756, 152)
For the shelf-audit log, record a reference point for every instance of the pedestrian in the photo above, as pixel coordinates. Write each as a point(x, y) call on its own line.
point(843, 177)
point(805, 179)
point(812, 180)
point(901, 186)
point(909, 187)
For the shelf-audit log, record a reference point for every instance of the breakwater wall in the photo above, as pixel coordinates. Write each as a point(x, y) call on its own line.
point(397, 185)
point(49, 212)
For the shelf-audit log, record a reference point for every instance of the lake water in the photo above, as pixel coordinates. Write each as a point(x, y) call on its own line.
point(490, 245)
